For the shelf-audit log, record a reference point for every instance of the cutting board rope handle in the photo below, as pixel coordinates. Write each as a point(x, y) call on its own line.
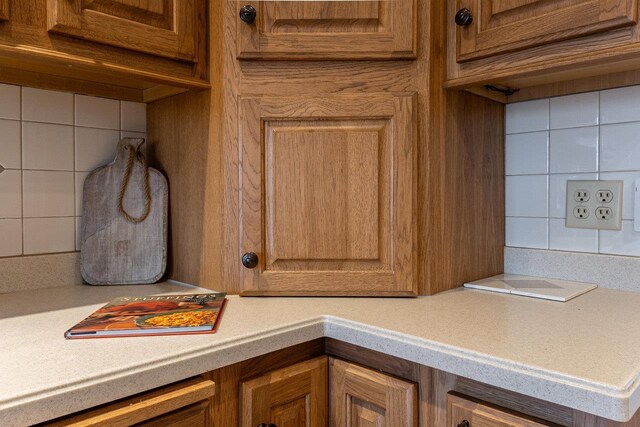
point(135, 155)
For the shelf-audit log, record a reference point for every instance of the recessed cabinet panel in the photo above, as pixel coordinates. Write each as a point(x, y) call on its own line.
point(328, 29)
point(159, 27)
point(4, 10)
point(479, 414)
point(361, 397)
point(327, 190)
point(289, 397)
point(499, 26)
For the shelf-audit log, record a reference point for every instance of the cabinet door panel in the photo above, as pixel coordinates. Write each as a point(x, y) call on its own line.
point(295, 396)
point(4, 10)
point(329, 29)
point(508, 25)
point(159, 27)
point(327, 194)
point(362, 397)
point(478, 414)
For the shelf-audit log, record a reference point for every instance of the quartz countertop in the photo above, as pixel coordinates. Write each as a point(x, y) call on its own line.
point(583, 353)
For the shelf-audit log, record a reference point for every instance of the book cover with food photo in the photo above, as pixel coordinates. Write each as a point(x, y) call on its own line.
point(153, 315)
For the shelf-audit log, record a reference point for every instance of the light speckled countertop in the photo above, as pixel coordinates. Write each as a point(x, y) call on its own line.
point(583, 353)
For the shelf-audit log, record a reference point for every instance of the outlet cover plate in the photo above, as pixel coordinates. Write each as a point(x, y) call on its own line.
point(593, 221)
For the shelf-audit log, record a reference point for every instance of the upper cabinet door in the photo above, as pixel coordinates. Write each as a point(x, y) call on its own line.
point(490, 27)
point(328, 30)
point(327, 195)
point(165, 28)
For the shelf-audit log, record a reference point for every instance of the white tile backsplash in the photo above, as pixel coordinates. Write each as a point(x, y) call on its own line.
point(11, 194)
point(91, 111)
point(592, 136)
point(574, 110)
point(10, 157)
point(573, 150)
point(527, 116)
point(49, 142)
point(527, 232)
point(47, 106)
point(620, 105)
point(49, 235)
point(11, 241)
point(527, 195)
point(9, 102)
point(527, 153)
point(47, 146)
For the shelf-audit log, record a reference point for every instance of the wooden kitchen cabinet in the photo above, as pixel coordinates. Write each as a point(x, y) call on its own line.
point(362, 397)
point(159, 27)
point(294, 396)
point(490, 27)
point(467, 412)
point(328, 30)
point(184, 404)
point(327, 195)
point(4, 10)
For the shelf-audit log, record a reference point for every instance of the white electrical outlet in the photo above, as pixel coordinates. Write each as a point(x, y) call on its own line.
point(594, 204)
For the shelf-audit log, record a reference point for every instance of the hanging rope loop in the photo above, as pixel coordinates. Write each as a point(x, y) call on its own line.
point(135, 156)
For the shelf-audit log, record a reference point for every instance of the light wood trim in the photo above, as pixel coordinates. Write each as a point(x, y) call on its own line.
point(144, 407)
point(158, 92)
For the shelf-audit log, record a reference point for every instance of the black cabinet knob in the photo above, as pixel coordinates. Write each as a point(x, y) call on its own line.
point(250, 260)
point(464, 17)
point(464, 423)
point(248, 14)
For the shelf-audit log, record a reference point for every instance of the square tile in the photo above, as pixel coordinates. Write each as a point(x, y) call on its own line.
point(575, 110)
point(527, 153)
point(558, 191)
point(48, 106)
point(47, 146)
point(628, 189)
point(49, 235)
point(620, 147)
point(623, 242)
point(529, 116)
point(95, 112)
point(10, 157)
point(48, 194)
point(620, 105)
point(10, 105)
point(562, 238)
point(133, 116)
point(11, 242)
point(11, 194)
point(527, 196)
point(95, 147)
point(573, 150)
point(527, 233)
point(79, 180)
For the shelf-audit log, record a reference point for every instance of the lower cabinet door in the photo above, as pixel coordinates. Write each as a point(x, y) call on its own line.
point(295, 396)
point(466, 412)
point(362, 397)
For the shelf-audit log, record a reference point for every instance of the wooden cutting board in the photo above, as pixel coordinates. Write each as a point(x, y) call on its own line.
point(113, 249)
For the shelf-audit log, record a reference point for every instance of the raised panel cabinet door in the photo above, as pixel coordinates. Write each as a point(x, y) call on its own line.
point(295, 396)
point(361, 397)
point(166, 28)
point(328, 29)
point(490, 27)
point(479, 414)
point(327, 195)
